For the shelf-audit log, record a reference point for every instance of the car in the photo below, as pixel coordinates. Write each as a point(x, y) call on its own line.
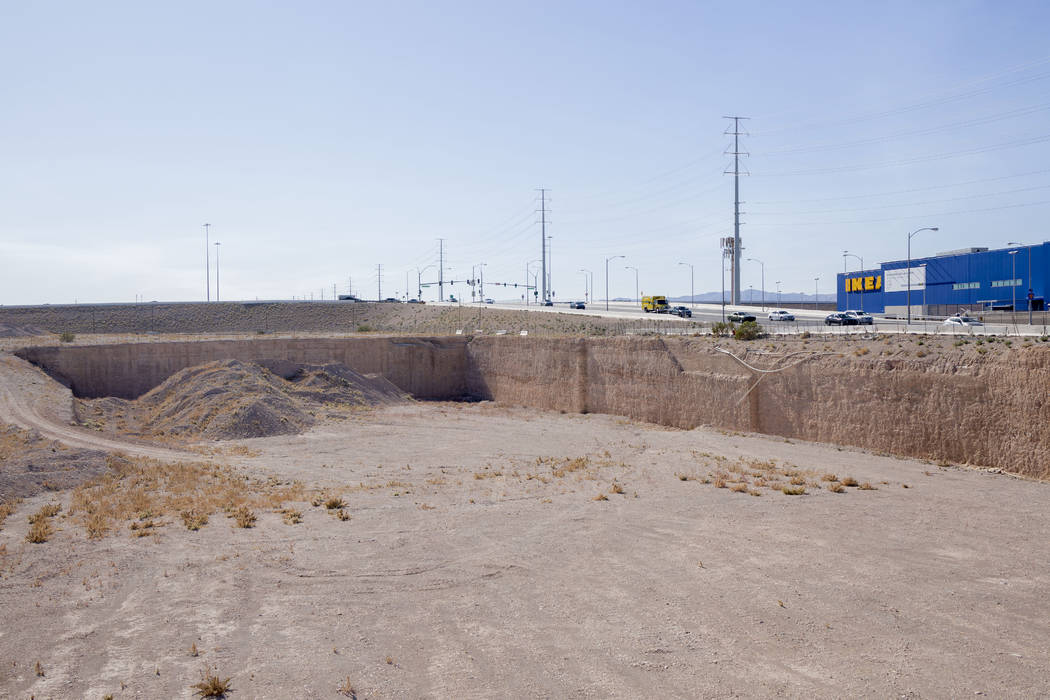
point(781, 315)
point(683, 311)
point(416, 301)
point(452, 298)
point(489, 301)
point(548, 303)
point(577, 305)
point(961, 321)
point(863, 319)
point(839, 319)
point(348, 297)
point(391, 300)
point(741, 317)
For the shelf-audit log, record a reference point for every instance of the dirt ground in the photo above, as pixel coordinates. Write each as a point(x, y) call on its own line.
point(480, 560)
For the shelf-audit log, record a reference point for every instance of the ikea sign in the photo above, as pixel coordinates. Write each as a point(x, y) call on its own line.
point(871, 283)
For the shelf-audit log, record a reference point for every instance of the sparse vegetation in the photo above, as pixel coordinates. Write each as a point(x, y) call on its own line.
point(793, 490)
point(836, 488)
point(334, 503)
point(849, 481)
point(866, 486)
point(347, 689)
point(292, 516)
point(244, 517)
point(193, 519)
point(66, 337)
point(748, 330)
point(211, 686)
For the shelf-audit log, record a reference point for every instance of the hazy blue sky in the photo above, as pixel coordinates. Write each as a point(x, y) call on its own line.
point(321, 139)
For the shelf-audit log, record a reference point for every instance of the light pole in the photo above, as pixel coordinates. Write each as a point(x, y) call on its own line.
point(778, 293)
point(847, 254)
point(612, 257)
point(636, 299)
point(585, 295)
point(692, 289)
point(763, 280)
point(1029, 285)
point(207, 264)
point(591, 287)
point(927, 228)
point(217, 244)
point(1013, 285)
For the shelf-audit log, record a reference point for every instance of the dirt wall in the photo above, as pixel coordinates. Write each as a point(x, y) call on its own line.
point(984, 410)
point(429, 368)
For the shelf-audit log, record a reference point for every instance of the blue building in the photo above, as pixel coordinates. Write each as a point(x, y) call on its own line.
point(972, 279)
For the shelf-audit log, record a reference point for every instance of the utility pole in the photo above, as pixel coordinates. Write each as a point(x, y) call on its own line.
point(543, 239)
point(217, 244)
point(207, 264)
point(441, 269)
point(379, 277)
point(735, 172)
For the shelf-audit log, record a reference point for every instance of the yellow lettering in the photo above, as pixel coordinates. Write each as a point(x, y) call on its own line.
point(869, 283)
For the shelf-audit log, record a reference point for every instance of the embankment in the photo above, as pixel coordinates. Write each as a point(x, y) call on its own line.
point(958, 404)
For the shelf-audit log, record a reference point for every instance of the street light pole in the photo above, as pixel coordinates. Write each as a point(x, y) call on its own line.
point(613, 257)
point(846, 254)
point(763, 280)
point(636, 299)
point(1013, 285)
point(927, 228)
point(692, 289)
point(591, 284)
point(217, 244)
point(1029, 285)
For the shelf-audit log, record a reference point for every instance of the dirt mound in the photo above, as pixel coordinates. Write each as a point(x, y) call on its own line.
point(230, 399)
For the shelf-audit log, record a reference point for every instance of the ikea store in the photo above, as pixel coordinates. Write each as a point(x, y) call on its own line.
point(968, 280)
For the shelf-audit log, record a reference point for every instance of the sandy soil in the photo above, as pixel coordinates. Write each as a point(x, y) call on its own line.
point(458, 575)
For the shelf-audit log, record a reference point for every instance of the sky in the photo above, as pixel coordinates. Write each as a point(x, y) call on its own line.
point(323, 139)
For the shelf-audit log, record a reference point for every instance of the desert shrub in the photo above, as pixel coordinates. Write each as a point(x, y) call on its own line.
point(67, 337)
point(805, 334)
point(334, 503)
point(748, 330)
point(721, 329)
point(836, 488)
point(849, 481)
point(194, 519)
point(244, 517)
point(39, 531)
point(364, 328)
point(793, 490)
point(211, 687)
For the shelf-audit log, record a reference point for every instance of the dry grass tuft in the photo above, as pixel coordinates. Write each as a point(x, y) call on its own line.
point(96, 525)
point(798, 480)
point(793, 490)
point(38, 669)
point(600, 497)
point(292, 516)
point(347, 689)
point(342, 515)
point(244, 517)
point(849, 481)
point(39, 531)
point(616, 488)
point(829, 477)
point(738, 488)
point(866, 486)
point(48, 511)
point(837, 488)
point(194, 520)
point(211, 686)
point(193, 650)
point(335, 503)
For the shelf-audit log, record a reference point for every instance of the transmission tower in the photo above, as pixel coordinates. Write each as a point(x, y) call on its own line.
point(379, 277)
point(735, 172)
point(543, 240)
point(441, 269)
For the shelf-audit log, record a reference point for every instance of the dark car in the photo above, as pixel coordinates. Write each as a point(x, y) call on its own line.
point(683, 311)
point(416, 301)
point(348, 297)
point(577, 305)
point(548, 303)
point(391, 300)
point(839, 319)
point(741, 317)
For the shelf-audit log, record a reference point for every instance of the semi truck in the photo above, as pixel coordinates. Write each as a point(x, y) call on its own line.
point(655, 304)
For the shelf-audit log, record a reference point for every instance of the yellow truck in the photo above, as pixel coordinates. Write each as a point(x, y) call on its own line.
point(656, 304)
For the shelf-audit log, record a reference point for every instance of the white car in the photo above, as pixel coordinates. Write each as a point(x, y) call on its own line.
point(781, 315)
point(961, 321)
point(863, 319)
point(489, 301)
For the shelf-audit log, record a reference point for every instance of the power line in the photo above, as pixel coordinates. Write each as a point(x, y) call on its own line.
point(905, 218)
